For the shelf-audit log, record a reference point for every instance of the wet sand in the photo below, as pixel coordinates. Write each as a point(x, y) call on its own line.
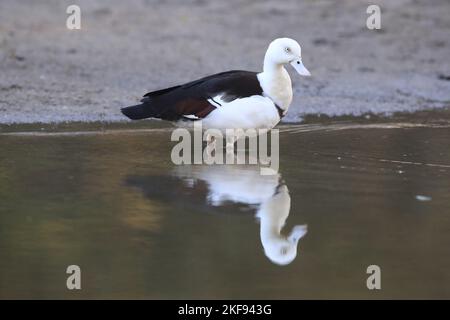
point(50, 74)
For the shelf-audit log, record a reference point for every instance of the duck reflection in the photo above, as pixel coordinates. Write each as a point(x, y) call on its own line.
point(273, 213)
point(220, 186)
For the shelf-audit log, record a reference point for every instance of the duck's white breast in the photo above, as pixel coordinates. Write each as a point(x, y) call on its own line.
point(255, 112)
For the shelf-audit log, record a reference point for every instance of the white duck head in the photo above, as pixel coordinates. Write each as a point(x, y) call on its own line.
point(283, 51)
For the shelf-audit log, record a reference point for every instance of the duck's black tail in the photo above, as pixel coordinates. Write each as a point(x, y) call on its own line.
point(139, 111)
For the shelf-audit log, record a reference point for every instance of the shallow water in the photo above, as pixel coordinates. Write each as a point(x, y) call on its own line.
point(113, 203)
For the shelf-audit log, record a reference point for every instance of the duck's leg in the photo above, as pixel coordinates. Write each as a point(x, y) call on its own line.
point(210, 142)
point(230, 144)
point(209, 139)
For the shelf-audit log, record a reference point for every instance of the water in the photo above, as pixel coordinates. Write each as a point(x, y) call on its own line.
point(111, 201)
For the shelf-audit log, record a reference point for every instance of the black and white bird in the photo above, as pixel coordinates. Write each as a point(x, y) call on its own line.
point(233, 99)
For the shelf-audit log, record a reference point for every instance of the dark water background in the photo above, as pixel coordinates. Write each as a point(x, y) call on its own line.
point(112, 202)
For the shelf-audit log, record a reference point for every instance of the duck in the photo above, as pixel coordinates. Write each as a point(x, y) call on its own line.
point(234, 99)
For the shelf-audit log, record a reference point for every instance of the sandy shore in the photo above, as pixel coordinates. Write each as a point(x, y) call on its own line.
point(51, 74)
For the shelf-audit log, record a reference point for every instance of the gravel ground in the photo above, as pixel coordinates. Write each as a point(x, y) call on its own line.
point(126, 48)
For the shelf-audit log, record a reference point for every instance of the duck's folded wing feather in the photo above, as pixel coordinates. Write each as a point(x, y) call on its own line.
point(196, 99)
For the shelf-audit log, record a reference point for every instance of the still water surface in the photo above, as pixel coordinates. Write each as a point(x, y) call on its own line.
point(347, 196)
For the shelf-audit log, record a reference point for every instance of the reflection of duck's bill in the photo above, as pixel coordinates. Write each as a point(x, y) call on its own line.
point(297, 233)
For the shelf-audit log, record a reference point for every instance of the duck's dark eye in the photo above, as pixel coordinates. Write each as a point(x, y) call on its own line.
point(298, 62)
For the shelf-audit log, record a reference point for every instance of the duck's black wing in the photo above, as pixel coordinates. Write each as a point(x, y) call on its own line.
point(193, 99)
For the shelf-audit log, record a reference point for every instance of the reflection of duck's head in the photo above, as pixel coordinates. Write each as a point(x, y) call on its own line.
point(273, 213)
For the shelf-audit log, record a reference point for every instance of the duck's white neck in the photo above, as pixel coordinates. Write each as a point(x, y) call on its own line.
point(276, 83)
point(271, 67)
point(271, 221)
